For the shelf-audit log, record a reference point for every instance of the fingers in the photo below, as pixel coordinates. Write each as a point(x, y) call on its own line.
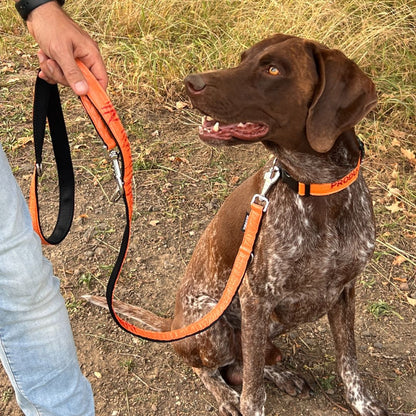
point(68, 73)
point(99, 71)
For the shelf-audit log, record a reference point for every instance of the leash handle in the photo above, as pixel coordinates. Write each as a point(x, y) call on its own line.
point(47, 107)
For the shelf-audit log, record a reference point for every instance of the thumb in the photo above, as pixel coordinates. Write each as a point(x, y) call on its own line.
point(74, 77)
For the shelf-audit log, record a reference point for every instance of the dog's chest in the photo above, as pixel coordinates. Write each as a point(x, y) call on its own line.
point(308, 252)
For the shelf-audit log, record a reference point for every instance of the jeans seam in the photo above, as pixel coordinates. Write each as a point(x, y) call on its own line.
point(14, 380)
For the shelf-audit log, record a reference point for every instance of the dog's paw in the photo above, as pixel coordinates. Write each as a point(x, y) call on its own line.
point(289, 382)
point(374, 408)
point(230, 407)
point(363, 403)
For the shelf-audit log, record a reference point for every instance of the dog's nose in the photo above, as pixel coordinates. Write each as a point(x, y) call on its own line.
point(194, 83)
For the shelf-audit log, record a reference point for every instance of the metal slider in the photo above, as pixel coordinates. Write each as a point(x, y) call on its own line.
point(261, 198)
point(39, 169)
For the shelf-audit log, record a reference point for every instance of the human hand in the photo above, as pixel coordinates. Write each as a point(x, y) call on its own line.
point(61, 40)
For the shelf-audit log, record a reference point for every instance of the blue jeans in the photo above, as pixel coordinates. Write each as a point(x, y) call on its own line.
point(36, 343)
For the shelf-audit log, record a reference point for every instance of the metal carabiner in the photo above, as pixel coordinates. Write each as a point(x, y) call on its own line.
point(270, 178)
point(114, 157)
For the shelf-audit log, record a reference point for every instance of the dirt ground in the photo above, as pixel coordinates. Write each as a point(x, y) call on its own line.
point(179, 183)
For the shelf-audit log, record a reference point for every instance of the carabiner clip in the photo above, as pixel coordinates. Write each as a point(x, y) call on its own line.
point(270, 178)
point(114, 156)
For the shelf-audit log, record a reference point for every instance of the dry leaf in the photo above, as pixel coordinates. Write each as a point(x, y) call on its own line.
point(395, 142)
point(398, 261)
point(409, 155)
point(180, 105)
point(399, 134)
point(411, 300)
point(178, 160)
point(234, 180)
point(394, 207)
point(394, 191)
point(22, 142)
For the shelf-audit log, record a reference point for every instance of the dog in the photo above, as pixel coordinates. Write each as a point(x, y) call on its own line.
point(302, 101)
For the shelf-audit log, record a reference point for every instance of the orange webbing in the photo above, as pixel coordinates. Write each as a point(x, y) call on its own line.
point(34, 207)
point(323, 189)
point(234, 281)
point(109, 127)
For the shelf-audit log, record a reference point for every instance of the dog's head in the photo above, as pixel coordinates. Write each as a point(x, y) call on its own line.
point(286, 90)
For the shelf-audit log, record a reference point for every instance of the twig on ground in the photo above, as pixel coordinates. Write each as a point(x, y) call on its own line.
point(343, 409)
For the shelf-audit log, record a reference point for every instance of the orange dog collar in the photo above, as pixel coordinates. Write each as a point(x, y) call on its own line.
point(323, 189)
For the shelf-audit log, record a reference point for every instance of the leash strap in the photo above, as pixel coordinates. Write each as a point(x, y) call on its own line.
point(108, 126)
point(104, 117)
point(234, 281)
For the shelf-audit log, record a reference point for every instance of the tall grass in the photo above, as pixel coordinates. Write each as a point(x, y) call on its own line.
point(150, 45)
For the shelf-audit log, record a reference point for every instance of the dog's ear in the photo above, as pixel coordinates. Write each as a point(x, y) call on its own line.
point(343, 96)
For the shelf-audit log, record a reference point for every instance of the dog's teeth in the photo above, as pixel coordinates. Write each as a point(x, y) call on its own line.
point(216, 127)
point(201, 129)
point(241, 125)
point(203, 119)
point(208, 118)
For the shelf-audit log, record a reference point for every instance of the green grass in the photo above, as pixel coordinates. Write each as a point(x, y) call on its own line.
point(381, 308)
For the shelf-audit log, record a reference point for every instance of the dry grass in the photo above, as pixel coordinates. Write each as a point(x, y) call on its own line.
point(152, 44)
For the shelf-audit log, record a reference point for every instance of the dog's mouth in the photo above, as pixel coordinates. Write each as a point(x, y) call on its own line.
point(212, 130)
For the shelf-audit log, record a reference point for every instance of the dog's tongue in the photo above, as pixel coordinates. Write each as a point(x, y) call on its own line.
point(211, 129)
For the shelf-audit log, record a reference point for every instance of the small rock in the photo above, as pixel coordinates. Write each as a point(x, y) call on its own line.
point(378, 345)
point(366, 333)
point(99, 251)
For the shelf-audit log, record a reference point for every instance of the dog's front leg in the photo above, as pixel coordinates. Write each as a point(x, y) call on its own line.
point(254, 318)
point(341, 319)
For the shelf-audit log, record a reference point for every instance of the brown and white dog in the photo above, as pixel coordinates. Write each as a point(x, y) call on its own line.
point(302, 101)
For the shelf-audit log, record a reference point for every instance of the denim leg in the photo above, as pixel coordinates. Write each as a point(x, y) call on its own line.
point(36, 343)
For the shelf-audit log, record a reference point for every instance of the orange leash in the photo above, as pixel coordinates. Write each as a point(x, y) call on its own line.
point(108, 126)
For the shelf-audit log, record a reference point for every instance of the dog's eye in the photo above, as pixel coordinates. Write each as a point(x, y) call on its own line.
point(272, 70)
